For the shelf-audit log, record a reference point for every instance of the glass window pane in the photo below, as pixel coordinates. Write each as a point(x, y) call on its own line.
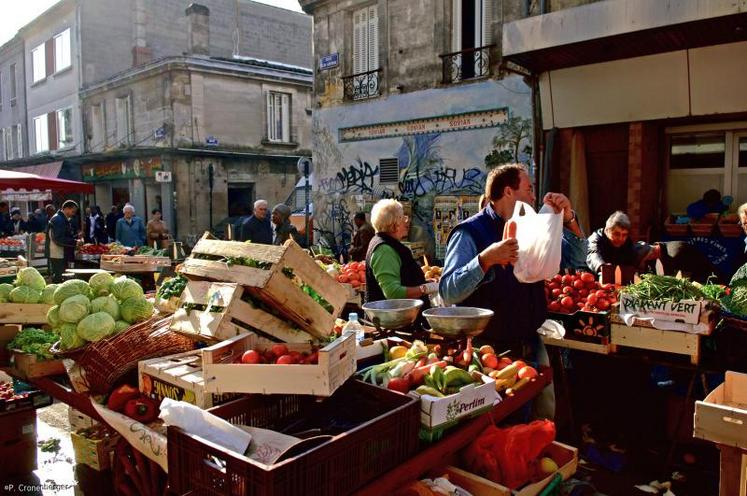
point(62, 50)
point(682, 190)
point(743, 152)
point(698, 151)
point(38, 63)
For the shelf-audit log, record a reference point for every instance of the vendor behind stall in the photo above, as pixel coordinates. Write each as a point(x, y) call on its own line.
point(61, 240)
point(17, 224)
point(612, 244)
point(711, 203)
point(678, 256)
point(130, 228)
point(158, 233)
point(391, 270)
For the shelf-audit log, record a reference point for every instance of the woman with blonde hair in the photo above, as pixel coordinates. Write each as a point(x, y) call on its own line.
point(391, 270)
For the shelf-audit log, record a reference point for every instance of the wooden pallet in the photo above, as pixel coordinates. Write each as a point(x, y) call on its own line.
point(23, 313)
point(646, 337)
point(133, 263)
point(279, 285)
point(237, 317)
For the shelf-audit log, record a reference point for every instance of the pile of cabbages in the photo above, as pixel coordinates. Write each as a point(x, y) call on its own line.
point(89, 311)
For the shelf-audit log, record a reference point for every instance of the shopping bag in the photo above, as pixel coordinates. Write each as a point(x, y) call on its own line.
point(540, 240)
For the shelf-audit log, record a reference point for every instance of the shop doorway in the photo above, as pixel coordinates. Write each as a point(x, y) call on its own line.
point(240, 199)
point(120, 195)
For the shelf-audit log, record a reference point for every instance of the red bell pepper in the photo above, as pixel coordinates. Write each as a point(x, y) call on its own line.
point(121, 396)
point(142, 409)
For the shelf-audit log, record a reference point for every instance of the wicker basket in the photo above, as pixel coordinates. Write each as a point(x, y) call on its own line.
point(73, 354)
point(105, 361)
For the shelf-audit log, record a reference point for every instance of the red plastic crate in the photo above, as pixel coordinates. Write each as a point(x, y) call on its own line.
point(385, 435)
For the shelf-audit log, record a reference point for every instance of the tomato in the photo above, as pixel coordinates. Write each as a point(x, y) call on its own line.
point(567, 302)
point(284, 360)
point(553, 306)
point(553, 285)
point(567, 279)
point(343, 278)
point(555, 292)
point(601, 293)
point(592, 299)
point(567, 290)
point(353, 277)
point(503, 363)
point(356, 284)
point(580, 304)
point(583, 292)
point(603, 304)
point(608, 286)
point(587, 277)
point(279, 349)
point(399, 384)
point(251, 356)
point(557, 278)
point(489, 360)
point(578, 284)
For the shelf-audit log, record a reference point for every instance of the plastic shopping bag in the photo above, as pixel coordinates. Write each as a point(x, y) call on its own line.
point(540, 241)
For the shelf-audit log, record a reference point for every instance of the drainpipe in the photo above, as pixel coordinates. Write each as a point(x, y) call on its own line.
point(527, 8)
point(543, 6)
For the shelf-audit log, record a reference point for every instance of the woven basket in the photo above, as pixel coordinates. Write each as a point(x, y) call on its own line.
point(73, 354)
point(105, 361)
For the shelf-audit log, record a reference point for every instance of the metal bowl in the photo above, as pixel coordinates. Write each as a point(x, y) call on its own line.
point(393, 314)
point(458, 322)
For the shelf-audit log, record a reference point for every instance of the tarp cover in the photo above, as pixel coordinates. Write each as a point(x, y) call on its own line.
point(20, 180)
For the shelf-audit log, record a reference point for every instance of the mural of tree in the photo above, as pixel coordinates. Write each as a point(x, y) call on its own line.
point(513, 143)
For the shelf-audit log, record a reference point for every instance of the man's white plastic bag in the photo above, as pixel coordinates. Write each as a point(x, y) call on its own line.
point(540, 241)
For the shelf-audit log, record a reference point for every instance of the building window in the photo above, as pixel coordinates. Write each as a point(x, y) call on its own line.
point(64, 128)
point(98, 128)
point(389, 171)
point(12, 85)
point(62, 50)
point(364, 82)
point(4, 143)
point(278, 117)
point(38, 63)
point(1, 90)
point(122, 110)
point(19, 141)
point(9, 148)
point(41, 134)
point(471, 40)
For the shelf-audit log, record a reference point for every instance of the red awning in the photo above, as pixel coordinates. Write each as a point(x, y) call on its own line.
point(10, 179)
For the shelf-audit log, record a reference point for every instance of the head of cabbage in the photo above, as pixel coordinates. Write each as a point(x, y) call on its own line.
point(71, 288)
point(69, 338)
point(48, 294)
point(30, 278)
point(25, 294)
point(100, 283)
point(123, 288)
point(120, 326)
point(73, 309)
point(105, 304)
point(136, 309)
point(5, 290)
point(53, 316)
point(96, 326)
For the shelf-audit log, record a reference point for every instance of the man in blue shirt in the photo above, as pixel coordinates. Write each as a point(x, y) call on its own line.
point(130, 228)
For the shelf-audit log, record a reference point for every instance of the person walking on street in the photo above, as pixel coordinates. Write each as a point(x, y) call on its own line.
point(61, 240)
point(284, 230)
point(157, 231)
point(111, 222)
point(130, 228)
point(362, 237)
point(257, 228)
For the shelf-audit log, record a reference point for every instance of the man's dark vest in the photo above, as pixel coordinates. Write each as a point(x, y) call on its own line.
point(520, 309)
point(410, 272)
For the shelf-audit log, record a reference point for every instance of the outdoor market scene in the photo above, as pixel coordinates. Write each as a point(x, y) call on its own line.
point(392, 247)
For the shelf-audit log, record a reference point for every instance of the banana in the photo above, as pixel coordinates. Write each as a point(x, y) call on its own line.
point(519, 384)
point(429, 391)
point(507, 372)
point(503, 384)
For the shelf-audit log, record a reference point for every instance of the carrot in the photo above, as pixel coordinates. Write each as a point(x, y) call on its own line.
point(509, 230)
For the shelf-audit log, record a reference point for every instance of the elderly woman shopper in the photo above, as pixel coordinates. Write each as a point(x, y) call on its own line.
point(391, 270)
point(283, 230)
point(157, 231)
point(130, 228)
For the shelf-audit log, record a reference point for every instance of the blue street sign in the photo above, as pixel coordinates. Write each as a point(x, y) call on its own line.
point(329, 61)
point(211, 141)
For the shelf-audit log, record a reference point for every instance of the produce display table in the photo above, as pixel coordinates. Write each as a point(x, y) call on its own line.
point(441, 453)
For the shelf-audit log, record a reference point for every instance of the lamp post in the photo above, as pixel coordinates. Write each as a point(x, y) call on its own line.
point(304, 167)
point(211, 180)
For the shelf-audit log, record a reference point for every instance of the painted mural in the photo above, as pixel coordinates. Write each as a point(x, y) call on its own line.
point(432, 162)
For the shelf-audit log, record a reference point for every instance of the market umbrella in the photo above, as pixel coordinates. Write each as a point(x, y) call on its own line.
point(21, 180)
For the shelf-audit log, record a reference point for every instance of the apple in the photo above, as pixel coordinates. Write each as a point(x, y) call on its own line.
point(251, 356)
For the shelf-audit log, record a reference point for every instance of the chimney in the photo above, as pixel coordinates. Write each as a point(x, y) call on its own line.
point(198, 29)
point(141, 53)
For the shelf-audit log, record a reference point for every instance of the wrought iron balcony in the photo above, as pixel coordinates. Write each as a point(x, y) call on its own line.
point(361, 86)
point(470, 63)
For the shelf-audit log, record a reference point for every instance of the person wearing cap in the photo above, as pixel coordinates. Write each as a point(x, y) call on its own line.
point(17, 224)
point(61, 240)
point(283, 229)
point(130, 228)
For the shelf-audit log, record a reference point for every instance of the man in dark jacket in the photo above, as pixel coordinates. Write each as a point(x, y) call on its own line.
point(61, 240)
point(611, 245)
point(5, 226)
point(257, 228)
point(361, 238)
point(111, 222)
point(17, 224)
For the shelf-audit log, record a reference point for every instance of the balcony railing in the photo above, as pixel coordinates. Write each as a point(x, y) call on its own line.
point(470, 63)
point(361, 86)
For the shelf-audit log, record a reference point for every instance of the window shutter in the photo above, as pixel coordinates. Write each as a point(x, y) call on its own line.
point(268, 106)
point(19, 133)
point(456, 25)
point(487, 22)
point(359, 41)
point(49, 54)
point(285, 116)
point(52, 130)
point(373, 38)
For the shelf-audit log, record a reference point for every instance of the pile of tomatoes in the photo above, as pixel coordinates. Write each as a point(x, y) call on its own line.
point(571, 292)
point(353, 273)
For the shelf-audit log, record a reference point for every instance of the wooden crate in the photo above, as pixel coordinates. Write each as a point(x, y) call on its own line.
point(278, 286)
point(722, 416)
point(23, 313)
point(93, 446)
point(28, 366)
point(237, 317)
point(179, 377)
point(573, 344)
point(336, 364)
point(79, 420)
point(648, 338)
point(7, 333)
point(133, 263)
point(565, 456)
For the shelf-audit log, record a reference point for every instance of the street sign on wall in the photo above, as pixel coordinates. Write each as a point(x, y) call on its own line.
point(329, 61)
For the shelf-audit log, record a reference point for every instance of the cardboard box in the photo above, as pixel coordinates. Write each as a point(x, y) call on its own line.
point(93, 446)
point(687, 311)
point(441, 413)
point(565, 456)
point(336, 365)
point(722, 416)
point(28, 366)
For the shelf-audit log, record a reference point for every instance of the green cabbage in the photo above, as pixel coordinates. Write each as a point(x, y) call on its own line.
point(136, 309)
point(96, 326)
point(71, 288)
point(101, 283)
point(123, 288)
point(120, 326)
point(69, 338)
point(48, 294)
point(30, 278)
point(106, 304)
point(74, 309)
point(53, 316)
point(5, 290)
point(25, 294)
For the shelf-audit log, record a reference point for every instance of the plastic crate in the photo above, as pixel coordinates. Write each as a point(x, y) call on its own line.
point(381, 431)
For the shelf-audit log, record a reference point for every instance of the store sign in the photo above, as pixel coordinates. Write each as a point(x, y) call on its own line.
point(329, 61)
point(163, 176)
point(429, 125)
point(687, 311)
point(125, 169)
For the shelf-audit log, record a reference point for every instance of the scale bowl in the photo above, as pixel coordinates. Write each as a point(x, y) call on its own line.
point(393, 314)
point(458, 322)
